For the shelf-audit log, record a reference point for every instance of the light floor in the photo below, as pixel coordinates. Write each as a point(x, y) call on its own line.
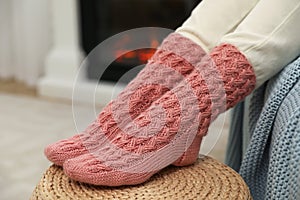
point(28, 124)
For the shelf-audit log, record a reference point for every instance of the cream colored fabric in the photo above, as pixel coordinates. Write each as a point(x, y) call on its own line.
point(267, 32)
point(269, 36)
point(212, 19)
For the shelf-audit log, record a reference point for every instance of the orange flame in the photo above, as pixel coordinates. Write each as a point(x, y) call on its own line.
point(139, 55)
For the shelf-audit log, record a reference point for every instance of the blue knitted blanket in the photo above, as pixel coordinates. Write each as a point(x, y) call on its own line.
point(271, 163)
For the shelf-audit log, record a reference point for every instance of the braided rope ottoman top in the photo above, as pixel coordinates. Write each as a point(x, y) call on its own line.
point(206, 179)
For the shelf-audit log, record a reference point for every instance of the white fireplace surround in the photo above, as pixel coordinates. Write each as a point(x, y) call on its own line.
point(65, 57)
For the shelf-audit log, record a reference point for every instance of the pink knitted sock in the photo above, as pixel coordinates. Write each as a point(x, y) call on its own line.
point(170, 130)
point(174, 60)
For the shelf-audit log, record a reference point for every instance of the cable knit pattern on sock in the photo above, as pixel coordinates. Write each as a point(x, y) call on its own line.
point(237, 81)
point(132, 154)
point(173, 60)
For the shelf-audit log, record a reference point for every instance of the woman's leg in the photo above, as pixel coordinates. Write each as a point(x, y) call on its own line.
point(268, 39)
point(173, 61)
point(171, 129)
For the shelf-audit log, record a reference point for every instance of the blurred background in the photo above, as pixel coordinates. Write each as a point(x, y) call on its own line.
point(42, 46)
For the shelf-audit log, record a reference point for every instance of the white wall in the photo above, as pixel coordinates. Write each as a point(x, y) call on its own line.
point(25, 39)
point(39, 45)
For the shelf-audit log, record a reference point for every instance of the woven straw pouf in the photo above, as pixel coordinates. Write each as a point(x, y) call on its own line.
point(206, 179)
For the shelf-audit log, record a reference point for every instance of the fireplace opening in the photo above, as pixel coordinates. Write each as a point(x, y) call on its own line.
point(105, 18)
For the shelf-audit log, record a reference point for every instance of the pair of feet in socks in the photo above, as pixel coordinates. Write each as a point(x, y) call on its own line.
point(160, 117)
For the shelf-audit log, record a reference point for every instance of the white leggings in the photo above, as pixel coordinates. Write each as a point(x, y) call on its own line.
point(267, 32)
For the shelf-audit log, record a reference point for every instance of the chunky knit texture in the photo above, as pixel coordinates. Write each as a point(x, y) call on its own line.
point(173, 60)
point(170, 130)
point(271, 164)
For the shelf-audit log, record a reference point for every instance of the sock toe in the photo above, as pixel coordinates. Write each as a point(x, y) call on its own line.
point(86, 168)
point(64, 149)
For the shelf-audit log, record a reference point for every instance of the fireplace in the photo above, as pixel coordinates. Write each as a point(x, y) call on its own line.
point(101, 19)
